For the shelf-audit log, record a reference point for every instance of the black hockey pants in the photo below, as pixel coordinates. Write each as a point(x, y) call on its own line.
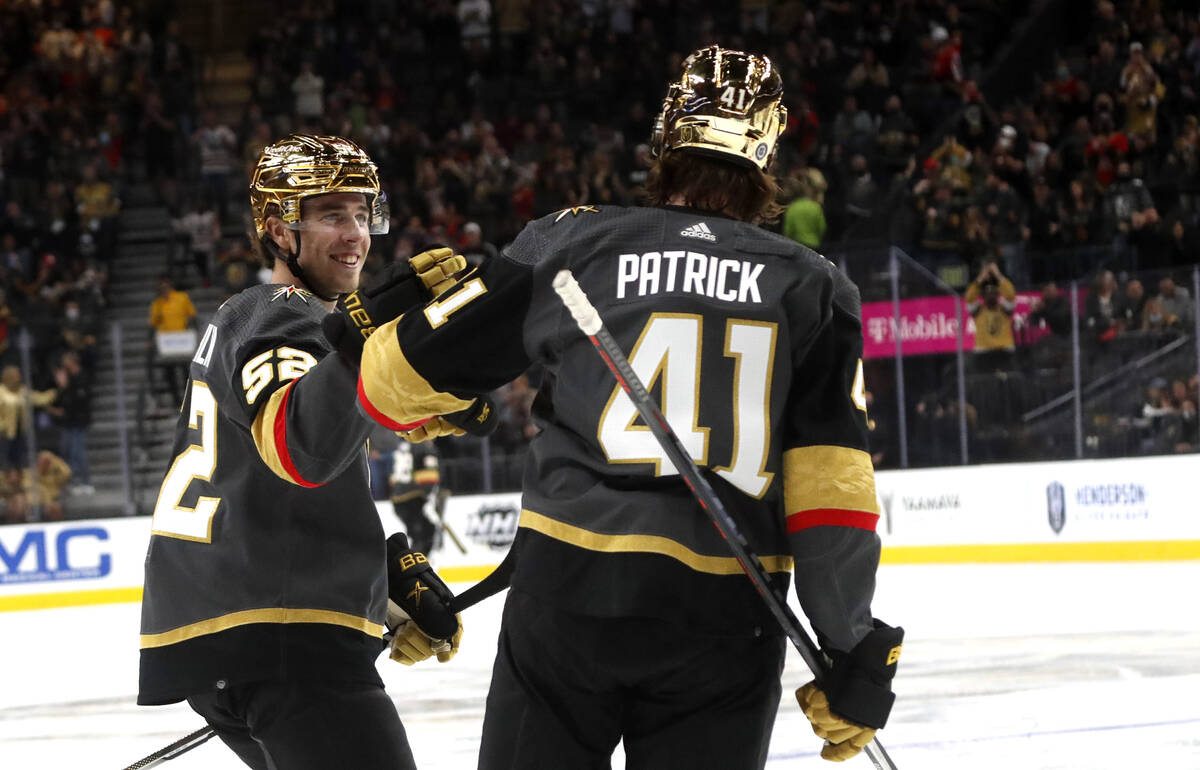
point(565, 688)
point(308, 725)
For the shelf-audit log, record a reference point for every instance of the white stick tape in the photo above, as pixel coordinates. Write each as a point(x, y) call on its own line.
point(577, 302)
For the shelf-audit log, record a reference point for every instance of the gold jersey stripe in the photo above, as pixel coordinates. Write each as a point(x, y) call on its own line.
point(266, 615)
point(426, 477)
point(828, 477)
point(263, 431)
point(596, 541)
point(393, 387)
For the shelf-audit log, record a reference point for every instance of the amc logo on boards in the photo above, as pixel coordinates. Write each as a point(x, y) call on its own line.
point(72, 554)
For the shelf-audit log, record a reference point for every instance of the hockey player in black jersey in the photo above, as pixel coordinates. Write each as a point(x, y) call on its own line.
point(413, 479)
point(628, 618)
point(268, 579)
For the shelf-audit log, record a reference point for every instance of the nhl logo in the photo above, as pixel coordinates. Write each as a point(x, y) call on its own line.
point(1056, 506)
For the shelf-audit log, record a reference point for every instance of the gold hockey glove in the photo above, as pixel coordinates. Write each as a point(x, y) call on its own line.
point(858, 694)
point(411, 645)
point(420, 615)
point(843, 739)
point(436, 268)
point(397, 289)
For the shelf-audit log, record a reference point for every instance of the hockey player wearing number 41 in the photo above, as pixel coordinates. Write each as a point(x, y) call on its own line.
point(628, 619)
point(268, 579)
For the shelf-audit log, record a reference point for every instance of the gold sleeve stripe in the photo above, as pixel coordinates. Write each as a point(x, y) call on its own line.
point(596, 541)
point(828, 478)
point(270, 436)
point(266, 615)
point(391, 389)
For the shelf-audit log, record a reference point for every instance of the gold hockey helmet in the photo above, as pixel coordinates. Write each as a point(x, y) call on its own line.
point(302, 166)
point(725, 103)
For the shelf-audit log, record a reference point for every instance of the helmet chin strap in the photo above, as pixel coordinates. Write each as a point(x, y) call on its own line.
point(292, 260)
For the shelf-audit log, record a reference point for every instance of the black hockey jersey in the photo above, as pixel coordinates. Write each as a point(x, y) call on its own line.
point(414, 472)
point(751, 342)
point(267, 554)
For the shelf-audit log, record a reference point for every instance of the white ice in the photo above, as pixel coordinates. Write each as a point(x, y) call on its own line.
point(1005, 667)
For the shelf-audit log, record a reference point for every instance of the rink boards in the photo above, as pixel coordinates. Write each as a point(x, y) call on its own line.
point(1096, 510)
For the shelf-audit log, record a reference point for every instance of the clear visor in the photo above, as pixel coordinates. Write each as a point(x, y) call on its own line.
point(375, 221)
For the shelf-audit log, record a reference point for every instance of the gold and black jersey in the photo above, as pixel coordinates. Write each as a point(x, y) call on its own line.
point(267, 554)
point(751, 343)
point(414, 471)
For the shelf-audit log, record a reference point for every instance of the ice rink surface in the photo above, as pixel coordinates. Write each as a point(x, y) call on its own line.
point(1005, 667)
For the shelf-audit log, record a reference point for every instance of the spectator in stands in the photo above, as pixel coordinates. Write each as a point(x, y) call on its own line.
point(217, 145)
point(804, 218)
point(309, 89)
point(72, 410)
point(1078, 214)
point(515, 402)
point(1100, 307)
point(20, 496)
point(1128, 205)
point(1176, 302)
point(98, 206)
point(171, 312)
point(237, 266)
point(991, 299)
point(869, 81)
point(7, 353)
point(199, 230)
point(473, 247)
point(1156, 319)
point(1130, 311)
point(1006, 215)
point(474, 23)
point(861, 192)
point(853, 128)
point(1051, 311)
point(159, 134)
point(1140, 92)
point(897, 138)
point(16, 401)
point(78, 331)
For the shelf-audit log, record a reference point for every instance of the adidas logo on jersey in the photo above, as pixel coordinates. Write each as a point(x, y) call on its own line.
point(699, 230)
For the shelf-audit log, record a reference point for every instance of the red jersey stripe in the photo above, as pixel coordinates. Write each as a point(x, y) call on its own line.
point(382, 418)
point(280, 433)
point(831, 517)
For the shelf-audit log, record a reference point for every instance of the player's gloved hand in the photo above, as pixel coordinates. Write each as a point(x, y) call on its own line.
point(436, 268)
point(420, 614)
point(398, 288)
point(478, 419)
point(858, 694)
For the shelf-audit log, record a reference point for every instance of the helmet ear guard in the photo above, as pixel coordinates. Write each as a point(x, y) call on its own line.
point(727, 104)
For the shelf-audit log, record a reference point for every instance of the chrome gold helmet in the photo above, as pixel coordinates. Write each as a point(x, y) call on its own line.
point(301, 166)
point(725, 103)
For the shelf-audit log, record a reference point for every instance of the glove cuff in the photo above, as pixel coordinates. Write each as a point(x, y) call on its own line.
point(860, 683)
point(863, 702)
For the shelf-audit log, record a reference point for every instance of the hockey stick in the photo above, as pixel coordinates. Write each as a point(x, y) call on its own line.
point(590, 323)
point(439, 508)
point(181, 746)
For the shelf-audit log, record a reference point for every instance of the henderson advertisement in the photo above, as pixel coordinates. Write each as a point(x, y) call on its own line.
point(1090, 510)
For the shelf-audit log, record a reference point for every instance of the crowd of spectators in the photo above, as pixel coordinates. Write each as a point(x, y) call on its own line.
point(484, 114)
point(77, 83)
point(1095, 167)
